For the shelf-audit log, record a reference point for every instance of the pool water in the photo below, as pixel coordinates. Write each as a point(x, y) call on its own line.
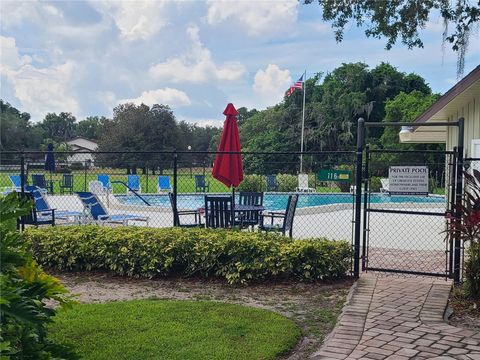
point(276, 201)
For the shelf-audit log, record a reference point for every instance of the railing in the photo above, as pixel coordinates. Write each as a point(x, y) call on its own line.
point(132, 191)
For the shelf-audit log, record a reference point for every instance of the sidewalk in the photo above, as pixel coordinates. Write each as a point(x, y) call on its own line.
point(398, 318)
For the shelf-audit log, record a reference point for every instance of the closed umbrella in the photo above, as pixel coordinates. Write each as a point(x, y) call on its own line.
point(228, 168)
point(50, 163)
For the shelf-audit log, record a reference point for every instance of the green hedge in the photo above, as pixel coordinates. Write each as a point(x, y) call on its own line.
point(234, 255)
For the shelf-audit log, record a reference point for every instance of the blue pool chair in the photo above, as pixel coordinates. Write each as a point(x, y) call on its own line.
point(35, 217)
point(39, 181)
point(105, 180)
point(96, 210)
point(133, 182)
point(164, 183)
point(42, 207)
point(16, 181)
point(272, 184)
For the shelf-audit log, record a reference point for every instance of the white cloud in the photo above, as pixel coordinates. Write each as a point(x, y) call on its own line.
point(15, 12)
point(40, 90)
point(167, 96)
point(270, 84)
point(135, 19)
point(259, 17)
point(203, 122)
point(196, 66)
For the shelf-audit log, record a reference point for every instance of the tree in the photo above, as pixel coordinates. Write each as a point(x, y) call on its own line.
point(136, 129)
point(91, 127)
point(59, 127)
point(406, 108)
point(16, 131)
point(394, 19)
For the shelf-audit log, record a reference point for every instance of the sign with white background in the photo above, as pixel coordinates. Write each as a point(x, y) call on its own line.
point(408, 180)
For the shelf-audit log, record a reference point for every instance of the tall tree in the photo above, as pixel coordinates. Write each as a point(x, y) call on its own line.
point(140, 128)
point(16, 130)
point(394, 19)
point(91, 127)
point(59, 127)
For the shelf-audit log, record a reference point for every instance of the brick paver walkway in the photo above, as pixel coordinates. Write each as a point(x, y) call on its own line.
point(398, 318)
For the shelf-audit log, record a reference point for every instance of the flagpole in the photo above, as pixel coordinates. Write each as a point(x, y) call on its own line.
point(303, 121)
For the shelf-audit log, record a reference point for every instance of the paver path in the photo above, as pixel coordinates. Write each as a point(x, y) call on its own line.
point(398, 318)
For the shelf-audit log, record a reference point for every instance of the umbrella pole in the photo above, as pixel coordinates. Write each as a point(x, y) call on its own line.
point(233, 205)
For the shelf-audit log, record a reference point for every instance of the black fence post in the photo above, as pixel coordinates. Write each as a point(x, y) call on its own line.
point(22, 186)
point(458, 200)
point(358, 196)
point(453, 196)
point(175, 188)
point(365, 201)
point(146, 171)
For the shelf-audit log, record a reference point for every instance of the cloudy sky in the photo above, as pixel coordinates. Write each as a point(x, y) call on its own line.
point(85, 57)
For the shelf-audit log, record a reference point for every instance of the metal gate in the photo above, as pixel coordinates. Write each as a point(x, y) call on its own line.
point(406, 232)
point(407, 235)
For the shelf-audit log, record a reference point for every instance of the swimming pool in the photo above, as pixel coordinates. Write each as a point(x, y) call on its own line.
point(277, 201)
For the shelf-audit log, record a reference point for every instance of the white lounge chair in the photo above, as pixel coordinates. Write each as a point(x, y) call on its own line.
point(385, 185)
point(303, 184)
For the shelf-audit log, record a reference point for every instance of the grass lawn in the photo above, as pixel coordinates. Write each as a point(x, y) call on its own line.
point(186, 180)
point(169, 329)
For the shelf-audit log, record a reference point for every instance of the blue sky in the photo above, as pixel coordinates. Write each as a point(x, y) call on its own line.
point(85, 57)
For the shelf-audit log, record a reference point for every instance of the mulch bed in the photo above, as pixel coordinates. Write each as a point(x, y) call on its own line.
point(466, 312)
point(314, 307)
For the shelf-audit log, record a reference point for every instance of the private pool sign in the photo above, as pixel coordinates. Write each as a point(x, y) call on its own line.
point(408, 180)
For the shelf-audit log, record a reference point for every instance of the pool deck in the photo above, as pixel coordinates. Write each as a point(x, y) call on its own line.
point(330, 221)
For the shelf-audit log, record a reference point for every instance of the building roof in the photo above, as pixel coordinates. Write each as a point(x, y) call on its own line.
point(83, 143)
point(450, 95)
point(440, 111)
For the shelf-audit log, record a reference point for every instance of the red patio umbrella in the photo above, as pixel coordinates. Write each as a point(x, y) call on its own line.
point(228, 168)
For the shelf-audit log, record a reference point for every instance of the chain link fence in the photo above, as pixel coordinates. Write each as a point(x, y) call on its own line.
point(404, 232)
point(144, 188)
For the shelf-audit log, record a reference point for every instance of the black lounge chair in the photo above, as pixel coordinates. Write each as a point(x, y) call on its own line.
point(177, 214)
point(201, 185)
point(249, 218)
point(35, 217)
point(286, 216)
point(219, 212)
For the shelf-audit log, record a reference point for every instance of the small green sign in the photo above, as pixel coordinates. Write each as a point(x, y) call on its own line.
point(334, 175)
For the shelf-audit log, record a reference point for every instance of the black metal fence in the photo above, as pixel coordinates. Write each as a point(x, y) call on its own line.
point(140, 183)
point(337, 199)
point(407, 233)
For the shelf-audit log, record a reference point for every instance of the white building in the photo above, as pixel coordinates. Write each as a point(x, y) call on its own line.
point(78, 145)
point(462, 100)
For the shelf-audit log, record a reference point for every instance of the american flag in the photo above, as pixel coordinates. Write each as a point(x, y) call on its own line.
point(296, 85)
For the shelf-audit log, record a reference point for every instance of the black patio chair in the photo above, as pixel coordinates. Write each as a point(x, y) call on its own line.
point(201, 185)
point(287, 217)
point(219, 212)
point(66, 184)
point(249, 218)
point(177, 214)
point(35, 217)
point(272, 184)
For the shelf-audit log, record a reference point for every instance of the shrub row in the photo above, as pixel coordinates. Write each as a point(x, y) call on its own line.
point(237, 256)
point(286, 182)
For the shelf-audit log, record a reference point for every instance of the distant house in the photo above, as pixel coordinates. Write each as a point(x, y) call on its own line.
point(462, 100)
point(78, 145)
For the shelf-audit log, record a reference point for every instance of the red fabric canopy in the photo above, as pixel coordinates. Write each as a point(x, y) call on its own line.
point(228, 168)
